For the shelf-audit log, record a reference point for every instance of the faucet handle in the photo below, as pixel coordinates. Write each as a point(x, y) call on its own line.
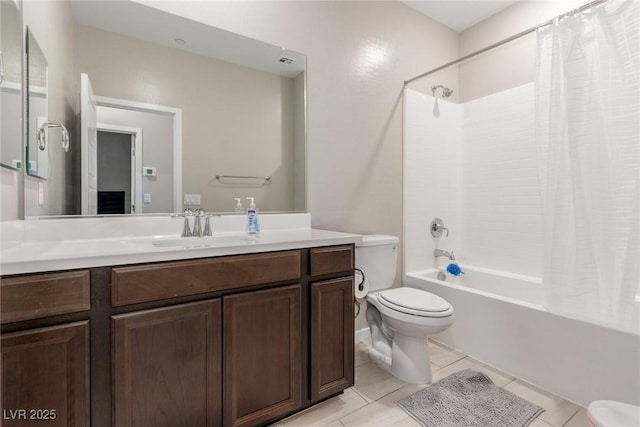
point(207, 224)
point(437, 227)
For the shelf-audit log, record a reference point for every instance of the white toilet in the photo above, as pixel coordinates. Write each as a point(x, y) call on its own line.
point(608, 413)
point(400, 319)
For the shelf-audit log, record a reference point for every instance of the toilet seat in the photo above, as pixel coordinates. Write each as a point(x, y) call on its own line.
point(608, 413)
point(415, 302)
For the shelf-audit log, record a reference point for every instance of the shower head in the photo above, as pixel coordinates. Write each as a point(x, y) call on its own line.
point(446, 92)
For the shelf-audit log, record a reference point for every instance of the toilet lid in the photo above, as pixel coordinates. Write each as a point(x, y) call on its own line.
point(609, 413)
point(415, 301)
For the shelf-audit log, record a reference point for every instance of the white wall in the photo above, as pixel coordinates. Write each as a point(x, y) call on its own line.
point(475, 167)
point(431, 185)
point(299, 145)
point(496, 208)
point(499, 204)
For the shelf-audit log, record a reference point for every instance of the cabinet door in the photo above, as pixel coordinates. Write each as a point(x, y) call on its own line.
point(262, 355)
point(166, 366)
point(331, 337)
point(45, 376)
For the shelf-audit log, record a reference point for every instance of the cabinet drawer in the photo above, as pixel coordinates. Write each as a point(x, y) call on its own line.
point(42, 295)
point(154, 282)
point(333, 259)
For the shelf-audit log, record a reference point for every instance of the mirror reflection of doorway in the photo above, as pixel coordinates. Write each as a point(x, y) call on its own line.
point(118, 170)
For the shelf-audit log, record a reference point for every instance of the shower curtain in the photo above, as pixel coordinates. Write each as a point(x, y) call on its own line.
point(588, 133)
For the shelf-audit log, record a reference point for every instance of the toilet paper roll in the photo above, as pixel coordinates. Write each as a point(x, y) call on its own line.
point(361, 284)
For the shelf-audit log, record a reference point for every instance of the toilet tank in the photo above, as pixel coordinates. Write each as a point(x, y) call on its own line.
point(377, 257)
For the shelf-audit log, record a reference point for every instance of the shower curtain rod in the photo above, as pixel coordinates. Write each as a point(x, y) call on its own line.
point(508, 39)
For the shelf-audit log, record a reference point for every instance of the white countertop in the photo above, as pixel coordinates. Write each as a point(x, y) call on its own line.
point(33, 255)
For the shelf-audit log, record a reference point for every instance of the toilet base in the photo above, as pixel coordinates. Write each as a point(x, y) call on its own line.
point(410, 359)
point(608, 413)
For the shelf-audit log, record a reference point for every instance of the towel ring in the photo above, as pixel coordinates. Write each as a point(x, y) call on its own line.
point(42, 144)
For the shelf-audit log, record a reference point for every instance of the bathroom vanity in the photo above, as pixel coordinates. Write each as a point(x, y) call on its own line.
point(241, 339)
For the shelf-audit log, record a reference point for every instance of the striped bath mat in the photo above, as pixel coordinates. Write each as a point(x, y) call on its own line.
point(469, 399)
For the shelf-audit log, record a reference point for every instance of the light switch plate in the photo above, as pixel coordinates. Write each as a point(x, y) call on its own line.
point(148, 171)
point(147, 198)
point(192, 199)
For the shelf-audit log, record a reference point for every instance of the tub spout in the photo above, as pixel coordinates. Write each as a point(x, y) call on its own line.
point(439, 252)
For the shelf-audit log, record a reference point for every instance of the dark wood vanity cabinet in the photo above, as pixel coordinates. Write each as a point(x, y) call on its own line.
point(45, 376)
point(166, 366)
point(331, 323)
point(45, 369)
point(262, 373)
point(240, 340)
point(332, 340)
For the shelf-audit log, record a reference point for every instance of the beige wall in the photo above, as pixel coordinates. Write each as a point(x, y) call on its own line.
point(512, 64)
point(236, 120)
point(359, 54)
point(52, 25)
point(9, 185)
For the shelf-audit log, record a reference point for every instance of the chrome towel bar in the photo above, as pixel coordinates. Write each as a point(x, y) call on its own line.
point(266, 179)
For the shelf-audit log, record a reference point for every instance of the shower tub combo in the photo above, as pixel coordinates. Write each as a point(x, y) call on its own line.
point(500, 321)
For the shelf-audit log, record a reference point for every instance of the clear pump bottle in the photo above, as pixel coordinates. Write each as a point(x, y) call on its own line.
point(239, 210)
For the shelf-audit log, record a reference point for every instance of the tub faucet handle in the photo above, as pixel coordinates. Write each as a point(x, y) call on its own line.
point(437, 227)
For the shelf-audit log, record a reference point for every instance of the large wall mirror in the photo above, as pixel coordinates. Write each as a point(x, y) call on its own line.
point(10, 85)
point(173, 114)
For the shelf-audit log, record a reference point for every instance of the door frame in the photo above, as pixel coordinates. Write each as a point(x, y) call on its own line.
point(136, 160)
point(176, 114)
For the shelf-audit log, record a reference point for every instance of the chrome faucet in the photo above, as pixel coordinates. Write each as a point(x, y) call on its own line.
point(197, 231)
point(197, 228)
point(186, 228)
point(439, 252)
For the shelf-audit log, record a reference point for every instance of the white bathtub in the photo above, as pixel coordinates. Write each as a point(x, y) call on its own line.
point(499, 320)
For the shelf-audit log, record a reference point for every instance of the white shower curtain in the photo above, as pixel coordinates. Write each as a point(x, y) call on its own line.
point(588, 131)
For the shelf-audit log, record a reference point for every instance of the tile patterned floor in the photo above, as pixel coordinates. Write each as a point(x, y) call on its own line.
point(371, 401)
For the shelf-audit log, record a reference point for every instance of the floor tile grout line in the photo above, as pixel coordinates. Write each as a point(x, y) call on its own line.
point(572, 416)
point(455, 361)
point(366, 403)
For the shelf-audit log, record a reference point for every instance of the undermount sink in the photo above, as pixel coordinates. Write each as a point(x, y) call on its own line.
point(197, 242)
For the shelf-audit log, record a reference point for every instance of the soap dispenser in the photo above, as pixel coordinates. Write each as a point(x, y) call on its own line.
point(239, 210)
point(253, 226)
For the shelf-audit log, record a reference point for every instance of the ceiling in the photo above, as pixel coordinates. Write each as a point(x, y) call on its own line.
point(459, 14)
point(142, 22)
